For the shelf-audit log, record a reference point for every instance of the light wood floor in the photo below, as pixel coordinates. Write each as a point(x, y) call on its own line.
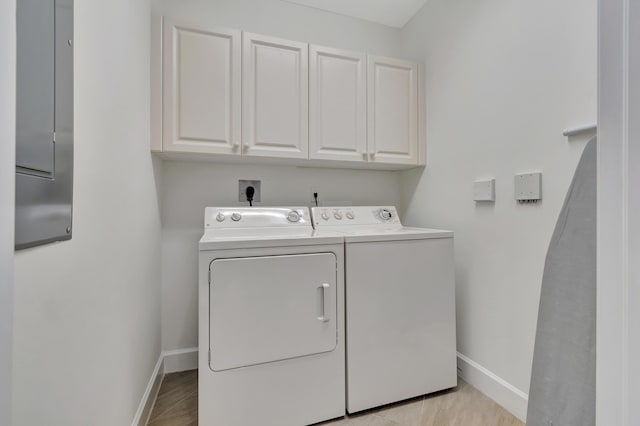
point(177, 405)
point(177, 401)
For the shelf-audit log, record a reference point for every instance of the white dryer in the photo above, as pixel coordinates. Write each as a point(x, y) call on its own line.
point(271, 320)
point(400, 305)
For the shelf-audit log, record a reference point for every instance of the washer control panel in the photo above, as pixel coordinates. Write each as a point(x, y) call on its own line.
point(356, 215)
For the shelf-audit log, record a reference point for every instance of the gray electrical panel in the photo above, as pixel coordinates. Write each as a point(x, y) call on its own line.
point(44, 121)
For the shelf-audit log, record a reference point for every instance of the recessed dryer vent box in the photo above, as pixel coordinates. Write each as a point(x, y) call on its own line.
point(528, 187)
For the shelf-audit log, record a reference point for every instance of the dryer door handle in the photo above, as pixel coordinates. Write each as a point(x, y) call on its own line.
point(324, 291)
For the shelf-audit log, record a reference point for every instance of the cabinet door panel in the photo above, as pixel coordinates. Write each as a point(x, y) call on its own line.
point(201, 89)
point(337, 105)
point(275, 97)
point(392, 111)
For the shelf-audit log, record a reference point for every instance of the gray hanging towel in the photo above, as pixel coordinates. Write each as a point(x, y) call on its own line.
point(563, 377)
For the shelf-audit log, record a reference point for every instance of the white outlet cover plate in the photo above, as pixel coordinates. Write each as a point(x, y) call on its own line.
point(484, 190)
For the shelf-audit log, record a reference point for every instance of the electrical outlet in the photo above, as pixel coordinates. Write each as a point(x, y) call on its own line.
point(242, 187)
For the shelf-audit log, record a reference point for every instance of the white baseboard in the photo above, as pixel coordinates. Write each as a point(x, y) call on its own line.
point(150, 394)
point(168, 362)
point(180, 360)
point(496, 388)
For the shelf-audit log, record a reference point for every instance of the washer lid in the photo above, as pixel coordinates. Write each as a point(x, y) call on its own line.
point(359, 234)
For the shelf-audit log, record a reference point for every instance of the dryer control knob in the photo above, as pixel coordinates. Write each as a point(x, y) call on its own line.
point(293, 216)
point(385, 214)
point(337, 215)
point(236, 217)
point(220, 217)
point(350, 215)
point(325, 216)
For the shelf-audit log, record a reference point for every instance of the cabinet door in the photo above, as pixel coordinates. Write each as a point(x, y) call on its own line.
point(201, 89)
point(392, 111)
point(275, 97)
point(337, 105)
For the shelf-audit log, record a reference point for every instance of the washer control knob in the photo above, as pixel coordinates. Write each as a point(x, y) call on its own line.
point(385, 214)
point(337, 215)
point(220, 217)
point(325, 216)
point(350, 215)
point(236, 217)
point(293, 216)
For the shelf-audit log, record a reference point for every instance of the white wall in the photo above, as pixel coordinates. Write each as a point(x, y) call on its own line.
point(7, 173)
point(287, 20)
point(502, 81)
point(190, 187)
point(87, 311)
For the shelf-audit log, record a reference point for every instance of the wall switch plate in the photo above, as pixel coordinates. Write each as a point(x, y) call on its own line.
point(242, 187)
point(528, 187)
point(484, 190)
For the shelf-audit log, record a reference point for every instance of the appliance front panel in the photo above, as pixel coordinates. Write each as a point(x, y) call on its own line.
point(400, 320)
point(270, 308)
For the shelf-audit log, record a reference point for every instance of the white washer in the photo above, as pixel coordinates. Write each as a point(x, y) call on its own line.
point(400, 305)
point(271, 322)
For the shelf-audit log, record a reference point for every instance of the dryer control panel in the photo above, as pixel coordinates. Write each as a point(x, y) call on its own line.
point(251, 217)
point(354, 215)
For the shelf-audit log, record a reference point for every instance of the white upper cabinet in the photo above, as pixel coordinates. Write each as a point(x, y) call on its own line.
point(392, 110)
point(229, 95)
point(201, 89)
point(275, 92)
point(337, 104)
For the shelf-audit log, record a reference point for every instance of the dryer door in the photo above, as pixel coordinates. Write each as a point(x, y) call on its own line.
point(270, 308)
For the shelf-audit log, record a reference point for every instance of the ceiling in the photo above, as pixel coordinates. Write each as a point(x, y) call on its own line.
point(394, 13)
